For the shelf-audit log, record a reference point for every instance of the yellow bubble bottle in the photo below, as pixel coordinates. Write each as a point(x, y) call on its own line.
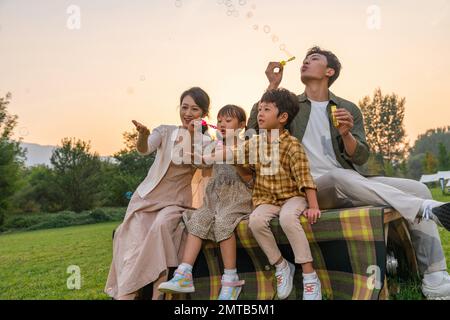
point(333, 116)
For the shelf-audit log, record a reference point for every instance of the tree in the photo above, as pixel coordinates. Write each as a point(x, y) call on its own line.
point(416, 165)
point(443, 158)
point(430, 141)
point(40, 192)
point(77, 174)
point(429, 164)
point(383, 120)
point(11, 157)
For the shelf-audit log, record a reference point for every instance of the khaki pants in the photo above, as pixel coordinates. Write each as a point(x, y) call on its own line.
point(289, 213)
point(346, 188)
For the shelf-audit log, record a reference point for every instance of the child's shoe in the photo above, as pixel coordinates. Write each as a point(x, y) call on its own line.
point(231, 288)
point(285, 279)
point(312, 289)
point(180, 283)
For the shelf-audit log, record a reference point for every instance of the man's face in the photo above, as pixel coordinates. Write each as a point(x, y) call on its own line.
point(315, 67)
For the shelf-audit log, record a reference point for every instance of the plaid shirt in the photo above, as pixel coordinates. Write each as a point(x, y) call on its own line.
point(285, 176)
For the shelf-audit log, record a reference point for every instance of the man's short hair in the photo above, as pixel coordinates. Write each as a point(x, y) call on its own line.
point(332, 60)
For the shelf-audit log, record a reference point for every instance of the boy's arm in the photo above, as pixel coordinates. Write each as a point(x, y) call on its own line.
point(311, 197)
point(300, 169)
point(313, 212)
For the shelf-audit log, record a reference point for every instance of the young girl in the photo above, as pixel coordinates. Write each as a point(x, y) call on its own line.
point(147, 242)
point(228, 200)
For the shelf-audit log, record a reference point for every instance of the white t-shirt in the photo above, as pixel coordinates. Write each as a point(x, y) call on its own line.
point(317, 141)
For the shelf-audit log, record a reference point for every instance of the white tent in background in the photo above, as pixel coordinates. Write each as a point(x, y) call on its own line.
point(427, 178)
point(444, 174)
point(448, 183)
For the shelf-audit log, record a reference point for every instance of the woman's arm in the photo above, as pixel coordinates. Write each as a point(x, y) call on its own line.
point(147, 143)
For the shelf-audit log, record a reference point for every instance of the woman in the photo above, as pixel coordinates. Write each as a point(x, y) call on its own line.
point(148, 241)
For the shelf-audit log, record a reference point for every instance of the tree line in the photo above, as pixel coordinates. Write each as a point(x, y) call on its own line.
point(78, 179)
point(391, 154)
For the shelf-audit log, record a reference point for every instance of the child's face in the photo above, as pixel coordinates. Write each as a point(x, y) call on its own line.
point(227, 122)
point(268, 117)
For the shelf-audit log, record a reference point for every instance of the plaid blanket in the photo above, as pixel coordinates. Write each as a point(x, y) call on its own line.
point(347, 246)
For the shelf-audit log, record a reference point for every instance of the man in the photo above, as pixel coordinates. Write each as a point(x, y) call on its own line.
point(336, 157)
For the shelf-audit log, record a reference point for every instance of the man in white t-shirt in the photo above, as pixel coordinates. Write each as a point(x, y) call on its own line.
point(337, 155)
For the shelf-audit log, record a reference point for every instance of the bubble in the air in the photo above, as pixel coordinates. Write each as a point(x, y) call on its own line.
point(23, 132)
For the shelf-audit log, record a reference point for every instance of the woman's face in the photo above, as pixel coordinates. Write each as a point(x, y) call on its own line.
point(231, 123)
point(189, 111)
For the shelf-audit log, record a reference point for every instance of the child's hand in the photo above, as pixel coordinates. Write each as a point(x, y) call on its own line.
point(312, 214)
point(193, 124)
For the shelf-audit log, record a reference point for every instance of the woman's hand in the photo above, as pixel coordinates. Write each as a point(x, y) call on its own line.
point(143, 130)
point(312, 214)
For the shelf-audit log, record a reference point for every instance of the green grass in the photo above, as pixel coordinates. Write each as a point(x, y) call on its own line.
point(33, 265)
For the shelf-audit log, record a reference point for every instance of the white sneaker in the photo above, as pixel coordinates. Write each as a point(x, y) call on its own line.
point(285, 279)
point(437, 292)
point(231, 288)
point(180, 283)
point(312, 289)
point(439, 212)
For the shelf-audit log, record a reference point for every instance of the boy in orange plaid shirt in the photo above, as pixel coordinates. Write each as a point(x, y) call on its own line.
point(286, 191)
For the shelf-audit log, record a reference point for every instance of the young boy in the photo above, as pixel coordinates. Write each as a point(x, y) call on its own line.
point(282, 192)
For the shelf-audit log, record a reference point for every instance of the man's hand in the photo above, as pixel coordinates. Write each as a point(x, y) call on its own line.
point(274, 77)
point(143, 130)
point(345, 119)
point(312, 214)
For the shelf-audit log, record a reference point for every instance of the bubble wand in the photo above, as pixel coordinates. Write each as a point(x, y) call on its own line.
point(283, 62)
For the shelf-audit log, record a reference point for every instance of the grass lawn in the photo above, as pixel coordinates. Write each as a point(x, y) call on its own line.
point(33, 265)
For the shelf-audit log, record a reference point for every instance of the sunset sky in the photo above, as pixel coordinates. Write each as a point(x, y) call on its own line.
point(132, 59)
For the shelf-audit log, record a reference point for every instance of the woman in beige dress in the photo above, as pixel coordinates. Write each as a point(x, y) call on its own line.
point(148, 241)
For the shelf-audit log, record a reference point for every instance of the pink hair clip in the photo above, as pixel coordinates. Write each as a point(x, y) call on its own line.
point(204, 123)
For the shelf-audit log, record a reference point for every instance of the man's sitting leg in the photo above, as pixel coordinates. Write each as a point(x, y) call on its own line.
point(427, 243)
point(341, 188)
